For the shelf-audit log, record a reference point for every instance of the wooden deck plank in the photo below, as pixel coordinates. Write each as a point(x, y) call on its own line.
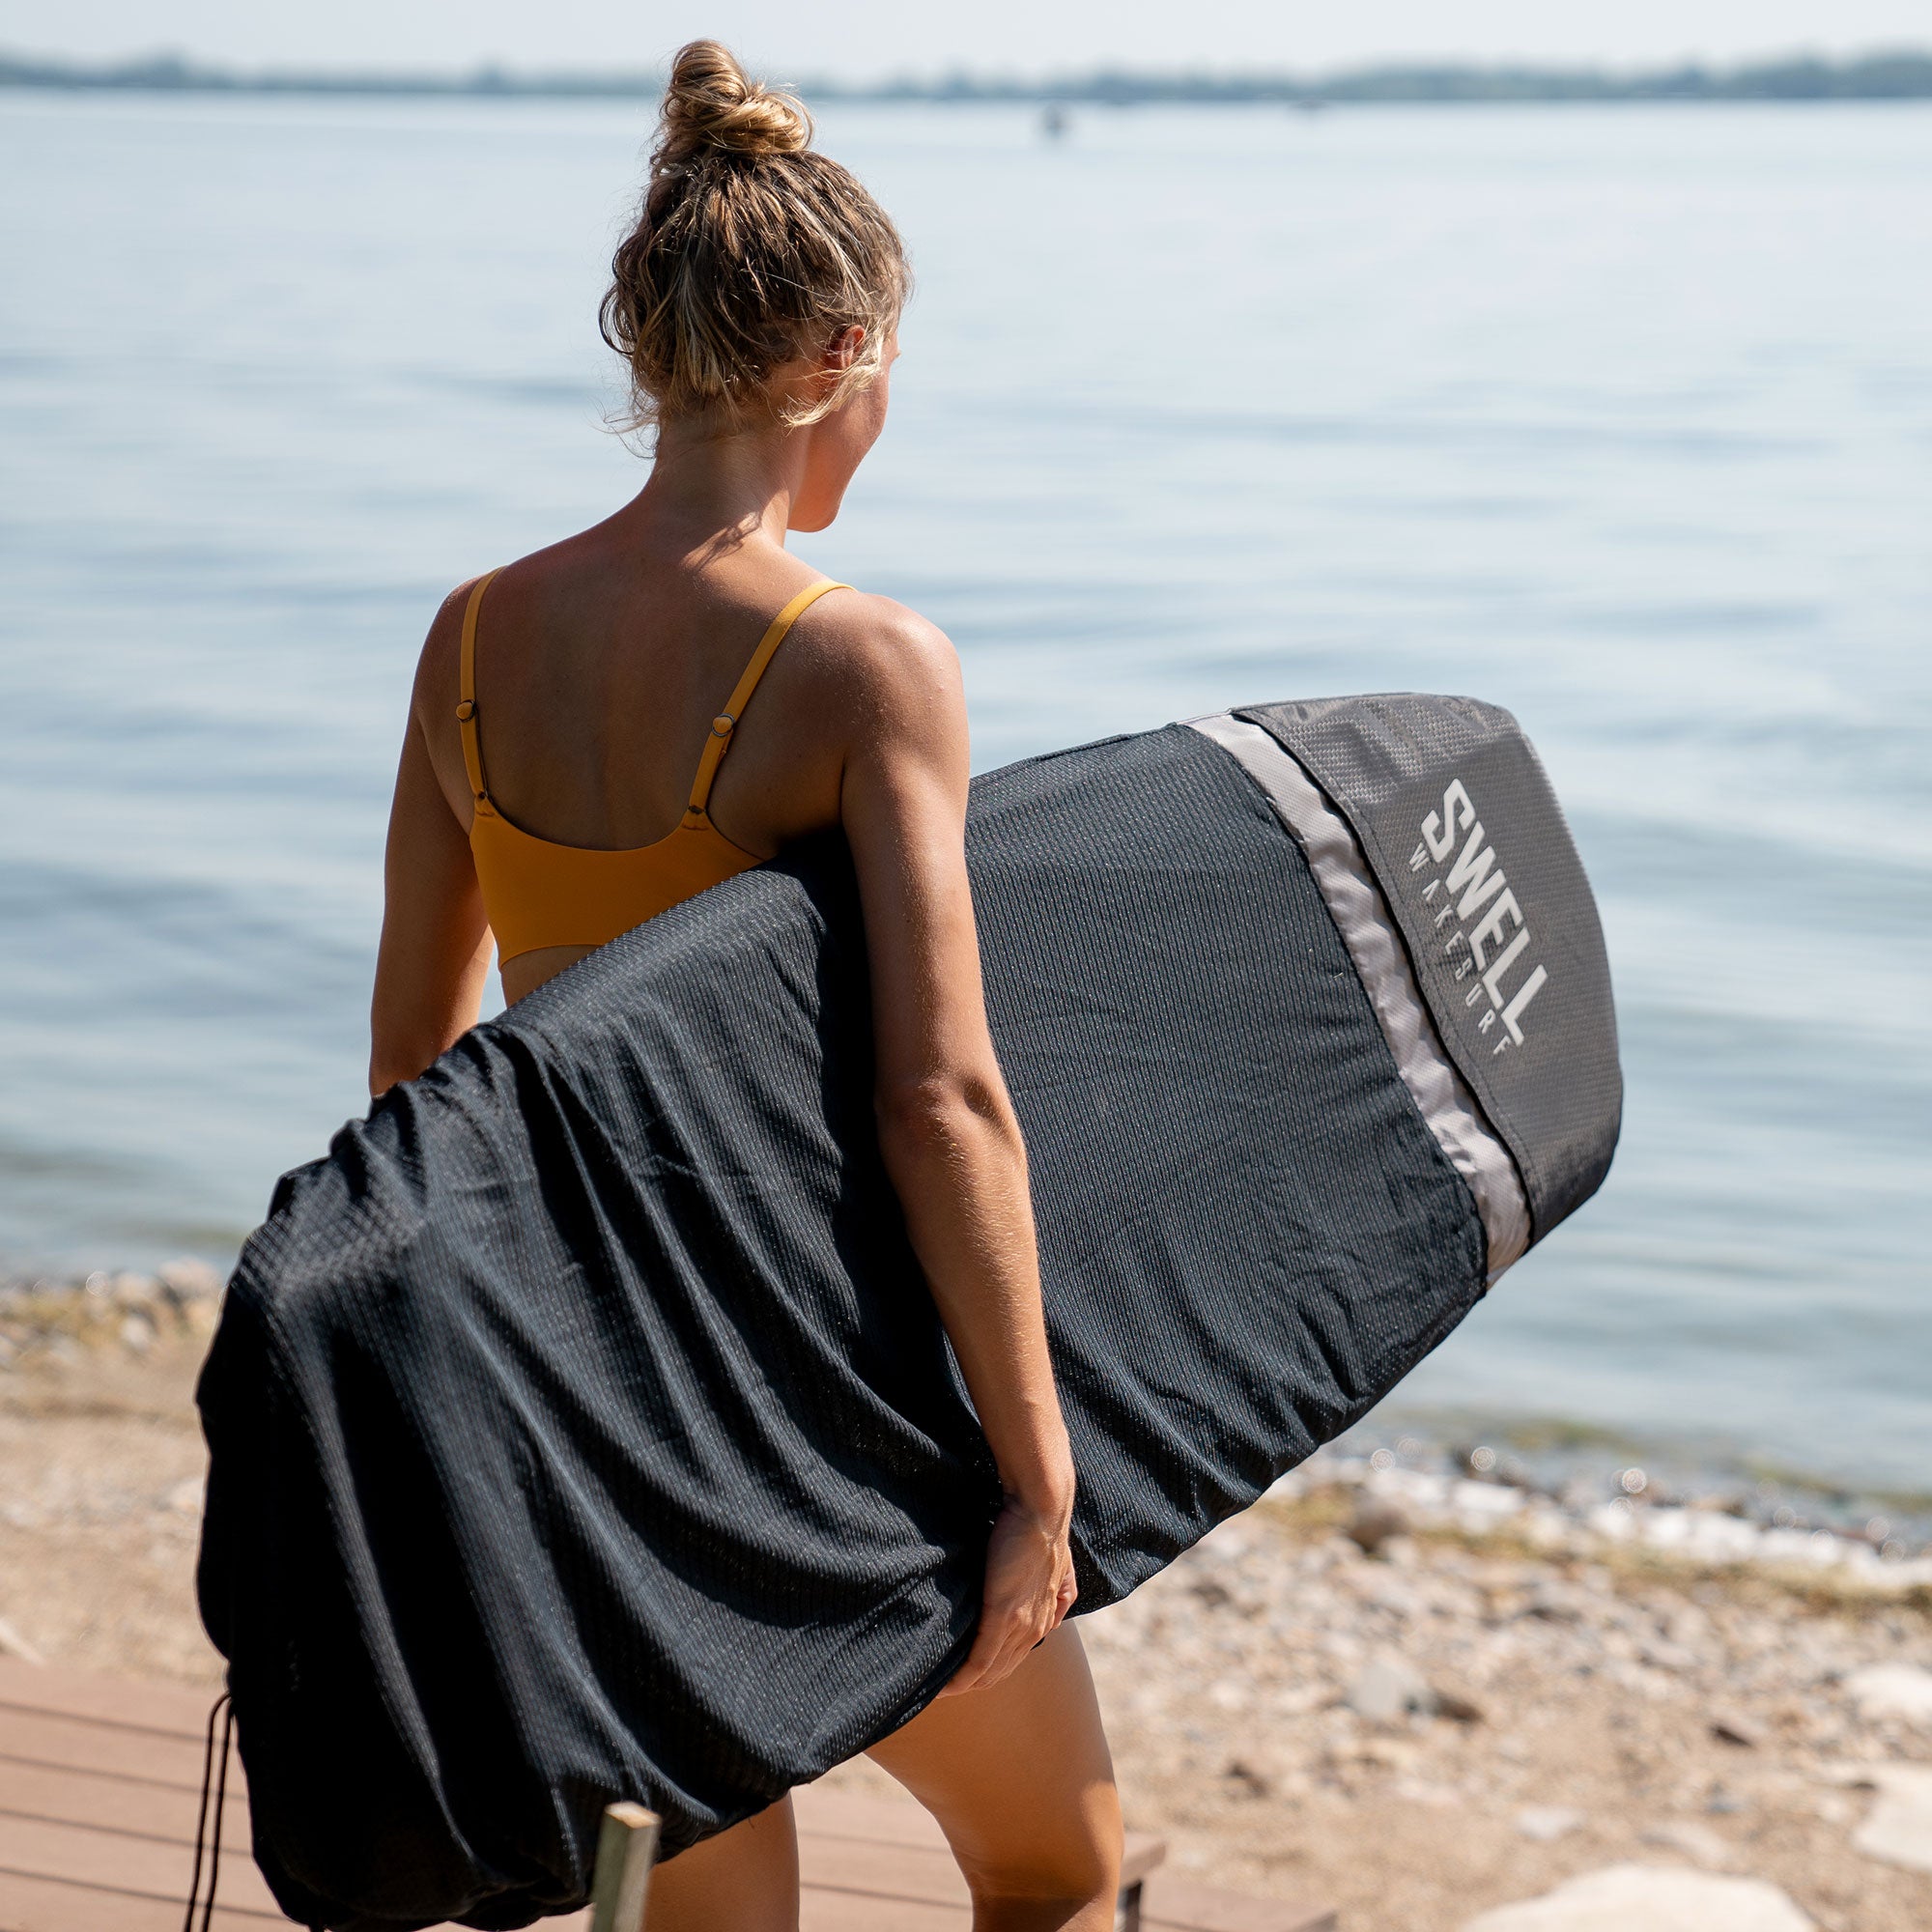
point(29, 1903)
point(29, 1738)
point(1172, 1903)
point(98, 1855)
point(827, 1813)
point(126, 1703)
point(912, 1872)
point(825, 1910)
point(852, 1912)
point(142, 1809)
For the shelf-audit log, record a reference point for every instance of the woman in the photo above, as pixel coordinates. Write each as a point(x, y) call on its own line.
point(546, 802)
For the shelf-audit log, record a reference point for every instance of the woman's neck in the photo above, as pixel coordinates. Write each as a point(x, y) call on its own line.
point(709, 493)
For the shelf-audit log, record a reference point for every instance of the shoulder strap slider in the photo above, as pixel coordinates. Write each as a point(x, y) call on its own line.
point(720, 740)
point(466, 695)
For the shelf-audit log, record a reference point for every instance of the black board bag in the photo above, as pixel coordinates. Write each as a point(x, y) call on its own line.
point(582, 1426)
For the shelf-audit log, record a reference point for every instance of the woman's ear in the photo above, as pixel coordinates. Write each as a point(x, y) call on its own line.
point(843, 350)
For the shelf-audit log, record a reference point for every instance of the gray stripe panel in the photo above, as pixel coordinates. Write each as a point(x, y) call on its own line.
point(1356, 903)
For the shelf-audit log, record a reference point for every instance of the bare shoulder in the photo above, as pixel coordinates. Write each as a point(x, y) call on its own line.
point(439, 664)
point(885, 659)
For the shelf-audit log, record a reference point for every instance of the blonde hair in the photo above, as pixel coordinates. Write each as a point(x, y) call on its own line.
point(751, 253)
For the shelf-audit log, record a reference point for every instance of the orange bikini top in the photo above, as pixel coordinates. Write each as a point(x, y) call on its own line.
point(536, 893)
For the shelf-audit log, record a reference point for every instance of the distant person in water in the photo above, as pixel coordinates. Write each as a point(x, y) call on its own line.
point(565, 776)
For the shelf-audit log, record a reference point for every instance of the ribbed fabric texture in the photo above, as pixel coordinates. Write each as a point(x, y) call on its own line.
point(581, 1426)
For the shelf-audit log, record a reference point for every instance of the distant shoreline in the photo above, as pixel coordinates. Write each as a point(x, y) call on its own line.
point(1901, 75)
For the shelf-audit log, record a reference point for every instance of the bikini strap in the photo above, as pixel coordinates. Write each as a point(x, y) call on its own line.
point(466, 693)
point(726, 721)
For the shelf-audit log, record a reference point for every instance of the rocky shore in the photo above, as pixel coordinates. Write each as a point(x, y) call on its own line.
point(1443, 1701)
point(1418, 1716)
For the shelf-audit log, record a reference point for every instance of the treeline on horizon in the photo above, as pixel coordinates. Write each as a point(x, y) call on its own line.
point(1902, 74)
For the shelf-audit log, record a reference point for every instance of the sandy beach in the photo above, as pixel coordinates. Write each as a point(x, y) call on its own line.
point(1372, 1688)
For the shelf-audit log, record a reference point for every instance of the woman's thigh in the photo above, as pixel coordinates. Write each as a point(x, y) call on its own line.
point(1021, 1781)
point(743, 1879)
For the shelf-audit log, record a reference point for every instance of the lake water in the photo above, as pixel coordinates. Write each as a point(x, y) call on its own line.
point(1620, 418)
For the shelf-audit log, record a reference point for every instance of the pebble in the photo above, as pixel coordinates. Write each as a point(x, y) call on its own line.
point(1555, 1603)
point(1892, 1691)
point(1650, 1898)
point(1389, 1691)
point(133, 1290)
point(187, 1280)
point(1729, 1728)
point(1547, 1823)
point(1375, 1523)
point(14, 1644)
point(1697, 1842)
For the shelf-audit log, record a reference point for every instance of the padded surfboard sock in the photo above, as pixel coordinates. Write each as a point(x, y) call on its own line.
point(581, 1427)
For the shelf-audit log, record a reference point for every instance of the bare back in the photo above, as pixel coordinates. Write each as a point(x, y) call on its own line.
point(602, 666)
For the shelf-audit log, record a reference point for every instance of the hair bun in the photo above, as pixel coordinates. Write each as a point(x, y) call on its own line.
point(709, 103)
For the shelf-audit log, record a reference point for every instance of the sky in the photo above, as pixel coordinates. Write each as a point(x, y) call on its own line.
point(866, 38)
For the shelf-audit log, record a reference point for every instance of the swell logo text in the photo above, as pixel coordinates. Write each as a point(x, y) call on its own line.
point(1475, 888)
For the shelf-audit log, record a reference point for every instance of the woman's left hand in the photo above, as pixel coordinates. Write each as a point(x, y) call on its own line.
point(1029, 1589)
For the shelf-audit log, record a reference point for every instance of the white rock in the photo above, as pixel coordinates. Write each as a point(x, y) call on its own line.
point(1389, 1691)
point(1703, 1533)
point(1892, 1691)
point(1426, 1791)
point(134, 1290)
point(1547, 1823)
point(1482, 1505)
point(1650, 1898)
point(1898, 1829)
point(1613, 1522)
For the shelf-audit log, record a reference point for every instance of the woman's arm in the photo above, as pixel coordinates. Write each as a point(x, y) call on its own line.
point(950, 1139)
point(434, 953)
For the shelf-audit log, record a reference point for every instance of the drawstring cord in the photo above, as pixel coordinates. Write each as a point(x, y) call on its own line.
point(220, 1781)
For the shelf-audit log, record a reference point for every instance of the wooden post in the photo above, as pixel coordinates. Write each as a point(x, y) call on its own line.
point(627, 1846)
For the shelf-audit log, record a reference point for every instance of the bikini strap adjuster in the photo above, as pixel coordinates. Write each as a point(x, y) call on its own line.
point(726, 721)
